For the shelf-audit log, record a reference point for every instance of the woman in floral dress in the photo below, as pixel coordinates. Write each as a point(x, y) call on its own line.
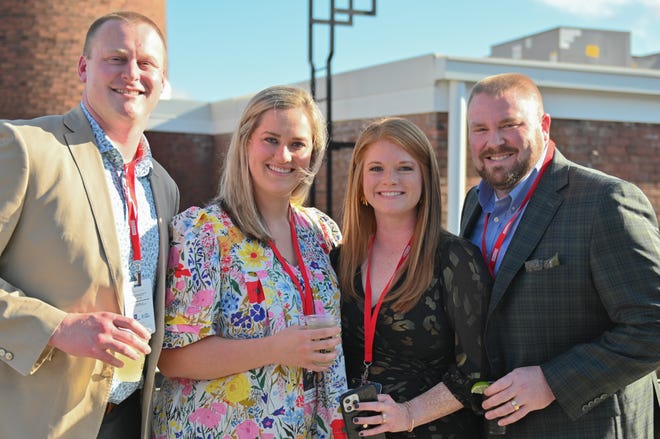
point(242, 271)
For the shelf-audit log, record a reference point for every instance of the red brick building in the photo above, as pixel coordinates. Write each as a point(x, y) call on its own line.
point(607, 118)
point(40, 43)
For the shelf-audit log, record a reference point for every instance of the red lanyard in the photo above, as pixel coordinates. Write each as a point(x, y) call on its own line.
point(492, 260)
point(132, 203)
point(370, 316)
point(306, 294)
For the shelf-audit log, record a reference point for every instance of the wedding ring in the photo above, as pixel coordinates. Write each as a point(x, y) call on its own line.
point(384, 418)
point(515, 405)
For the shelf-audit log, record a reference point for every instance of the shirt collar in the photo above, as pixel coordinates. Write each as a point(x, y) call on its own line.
point(110, 151)
point(486, 192)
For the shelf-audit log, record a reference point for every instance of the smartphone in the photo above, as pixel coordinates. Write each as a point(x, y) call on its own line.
point(365, 393)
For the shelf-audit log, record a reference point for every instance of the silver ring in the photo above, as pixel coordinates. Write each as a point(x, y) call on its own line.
point(515, 405)
point(384, 418)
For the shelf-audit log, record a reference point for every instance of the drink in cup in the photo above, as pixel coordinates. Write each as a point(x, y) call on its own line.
point(132, 369)
point(131, 372)
point(492, 427)
point(317, 321)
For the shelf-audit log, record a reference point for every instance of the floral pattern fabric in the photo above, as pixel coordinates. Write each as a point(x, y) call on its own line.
point(412, 351)
point(222, 283)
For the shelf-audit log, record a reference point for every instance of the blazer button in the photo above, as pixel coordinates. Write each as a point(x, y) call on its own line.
point(9, 356)
point(2, 352)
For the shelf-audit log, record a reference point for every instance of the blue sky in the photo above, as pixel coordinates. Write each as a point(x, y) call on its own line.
point(220, 49)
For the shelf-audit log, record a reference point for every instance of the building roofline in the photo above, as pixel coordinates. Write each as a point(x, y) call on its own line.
point(421, 84)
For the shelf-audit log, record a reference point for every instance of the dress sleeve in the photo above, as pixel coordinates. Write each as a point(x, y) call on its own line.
point(193, 279)
point(329, 228)
point(467, 292)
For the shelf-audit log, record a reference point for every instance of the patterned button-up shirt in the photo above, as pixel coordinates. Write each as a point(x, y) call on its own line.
point(113, 164)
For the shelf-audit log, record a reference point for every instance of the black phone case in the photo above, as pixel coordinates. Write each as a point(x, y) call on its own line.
point(365, 393)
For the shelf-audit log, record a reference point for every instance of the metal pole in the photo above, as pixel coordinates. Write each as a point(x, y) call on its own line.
point(312, 82)
point(328, 97)
point(332, 22)
point(456, 154)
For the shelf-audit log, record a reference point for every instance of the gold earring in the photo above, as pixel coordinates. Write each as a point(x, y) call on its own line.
point(364, 201)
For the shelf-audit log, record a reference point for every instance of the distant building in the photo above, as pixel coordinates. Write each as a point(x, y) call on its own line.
point(574, 45)
point(651, 61)
point(604, 117)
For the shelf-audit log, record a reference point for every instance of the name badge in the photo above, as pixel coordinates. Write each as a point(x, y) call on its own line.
point(310, 381)
point(140, 304)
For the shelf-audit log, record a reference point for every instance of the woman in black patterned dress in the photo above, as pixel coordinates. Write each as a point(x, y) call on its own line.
point(427, 291)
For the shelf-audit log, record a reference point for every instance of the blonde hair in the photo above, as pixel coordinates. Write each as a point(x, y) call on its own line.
point(235, 193)
point(359, 222)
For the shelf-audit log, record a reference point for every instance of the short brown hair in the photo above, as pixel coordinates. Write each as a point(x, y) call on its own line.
point(496, 85)
point(128, 17)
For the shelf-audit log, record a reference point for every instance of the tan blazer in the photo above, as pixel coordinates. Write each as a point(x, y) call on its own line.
point(59, 253)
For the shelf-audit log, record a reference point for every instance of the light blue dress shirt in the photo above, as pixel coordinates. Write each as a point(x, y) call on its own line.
point(501, 210)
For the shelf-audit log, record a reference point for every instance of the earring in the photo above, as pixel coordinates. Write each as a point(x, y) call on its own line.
point(364, 201)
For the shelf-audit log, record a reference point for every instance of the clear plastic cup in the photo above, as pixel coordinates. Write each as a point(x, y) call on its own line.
point(317, 321)
point(132, 370)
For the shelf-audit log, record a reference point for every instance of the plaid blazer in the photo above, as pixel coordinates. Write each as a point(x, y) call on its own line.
point(578, 293)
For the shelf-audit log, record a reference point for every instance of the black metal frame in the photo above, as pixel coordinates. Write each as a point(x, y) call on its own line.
point(331, 22)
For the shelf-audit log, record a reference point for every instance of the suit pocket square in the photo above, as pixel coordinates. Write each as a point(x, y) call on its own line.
point(542, 264)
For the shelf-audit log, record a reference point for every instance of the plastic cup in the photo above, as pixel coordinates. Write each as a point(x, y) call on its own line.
point(131, 372)
point(314, 321)
point(317, 321)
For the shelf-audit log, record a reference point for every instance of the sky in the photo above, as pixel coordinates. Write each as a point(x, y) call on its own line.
point(221, 49)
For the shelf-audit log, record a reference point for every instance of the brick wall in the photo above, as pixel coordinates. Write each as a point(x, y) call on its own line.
point(630, 151)
point(627, 150)
point(193, 160)
point(40, 44)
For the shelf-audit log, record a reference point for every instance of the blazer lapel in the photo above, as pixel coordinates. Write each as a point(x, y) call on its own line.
point(537, 217)
point(88, 160)
point(471, 212)
point(162, 204)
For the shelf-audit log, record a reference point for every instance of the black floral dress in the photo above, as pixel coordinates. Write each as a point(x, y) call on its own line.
point(440, 338)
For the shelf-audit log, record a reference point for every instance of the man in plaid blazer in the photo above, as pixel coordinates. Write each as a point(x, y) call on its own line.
point(573, 327)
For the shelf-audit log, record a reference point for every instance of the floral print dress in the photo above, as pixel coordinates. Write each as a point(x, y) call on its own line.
point(222, 283)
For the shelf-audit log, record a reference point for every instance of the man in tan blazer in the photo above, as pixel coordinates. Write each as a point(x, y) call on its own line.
point(84, 215)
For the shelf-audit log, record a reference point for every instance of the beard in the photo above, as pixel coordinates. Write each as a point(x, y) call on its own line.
point(502, 179)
